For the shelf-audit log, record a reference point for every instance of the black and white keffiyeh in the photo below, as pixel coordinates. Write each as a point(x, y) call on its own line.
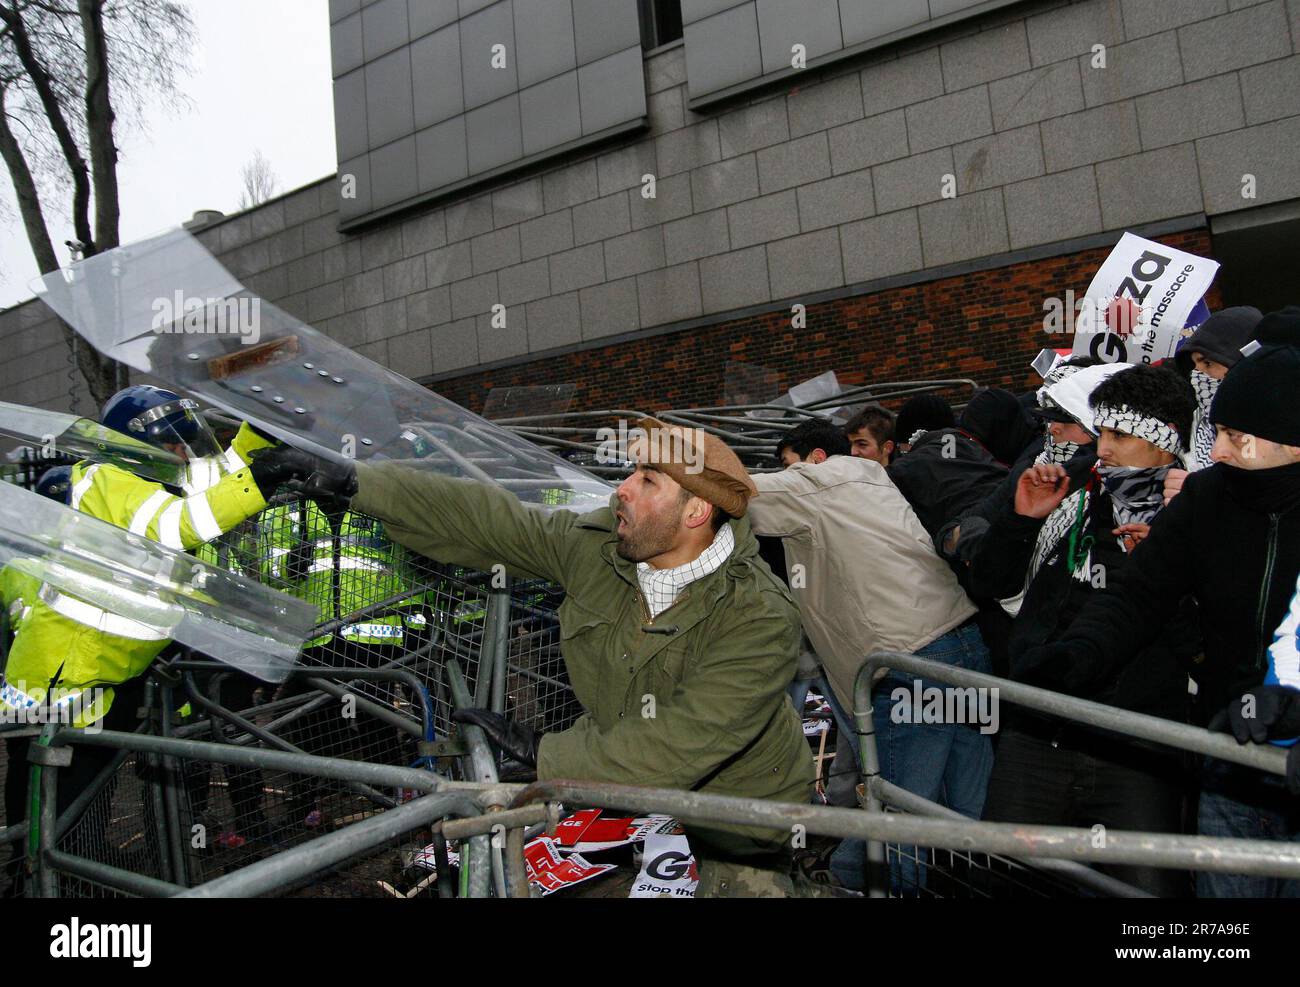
point(1136, 492)
point(1136, 496)
point(1059, 453)
point(1124, 419)
point(1203, 432)
point(1054, 376)
point(1056, 530)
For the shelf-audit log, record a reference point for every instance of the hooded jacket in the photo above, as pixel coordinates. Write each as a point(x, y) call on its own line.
point(1001, 423)
point(697, 703)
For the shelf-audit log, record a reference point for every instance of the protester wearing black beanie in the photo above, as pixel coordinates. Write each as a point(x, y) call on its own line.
point(1259, 395)
point(922, 413)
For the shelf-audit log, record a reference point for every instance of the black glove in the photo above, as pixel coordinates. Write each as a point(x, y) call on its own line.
point(1045, 666)
point(513, 739)
point(322, 479)
point(1266, 712)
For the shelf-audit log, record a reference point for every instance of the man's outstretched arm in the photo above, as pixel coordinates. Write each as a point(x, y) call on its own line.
point(465, 522)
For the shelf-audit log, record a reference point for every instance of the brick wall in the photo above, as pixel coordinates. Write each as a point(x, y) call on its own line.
point(986, 326)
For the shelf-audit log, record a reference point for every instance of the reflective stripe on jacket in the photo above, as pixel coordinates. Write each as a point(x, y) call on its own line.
point(76, 645)
point(299, 557)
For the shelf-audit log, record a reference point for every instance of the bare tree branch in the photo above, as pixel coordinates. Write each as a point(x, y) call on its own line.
point(65, 66)
point(40, 79)
point(258, 181)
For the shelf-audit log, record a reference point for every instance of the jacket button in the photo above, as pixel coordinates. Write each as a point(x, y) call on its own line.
point(620, 716)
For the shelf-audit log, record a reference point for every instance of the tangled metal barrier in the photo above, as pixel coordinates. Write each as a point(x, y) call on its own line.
point(398, 774)
point(751, 430)
point(403, 641)
point(493, 818)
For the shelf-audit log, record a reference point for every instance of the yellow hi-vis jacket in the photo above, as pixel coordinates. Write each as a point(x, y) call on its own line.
point(68, 645)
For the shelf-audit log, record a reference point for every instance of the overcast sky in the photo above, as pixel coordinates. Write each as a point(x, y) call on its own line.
point(261, 79)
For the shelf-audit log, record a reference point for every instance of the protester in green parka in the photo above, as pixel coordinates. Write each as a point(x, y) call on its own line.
point(678, 639)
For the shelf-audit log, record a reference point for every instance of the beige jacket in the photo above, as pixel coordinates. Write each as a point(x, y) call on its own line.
point(870, 577)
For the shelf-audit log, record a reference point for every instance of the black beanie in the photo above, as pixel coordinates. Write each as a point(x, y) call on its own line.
point(1221, 337)
point(1259, 396)
point(1280, 328)
point(923, 412)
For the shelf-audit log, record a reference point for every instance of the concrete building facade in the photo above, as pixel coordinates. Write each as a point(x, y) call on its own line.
point(920, 194)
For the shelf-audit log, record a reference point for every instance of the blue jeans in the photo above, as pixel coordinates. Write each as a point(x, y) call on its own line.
point(948, 763)
point(845, 772)
point(1236, 801)
point(799, 690)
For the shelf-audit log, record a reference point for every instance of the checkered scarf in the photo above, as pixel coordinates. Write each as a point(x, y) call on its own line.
point(1136, 495)
point(1124, 419)
point(1056, 530)
point(661, 586)
point(1136, 492)
point(1203, 429)
point(1059, 453)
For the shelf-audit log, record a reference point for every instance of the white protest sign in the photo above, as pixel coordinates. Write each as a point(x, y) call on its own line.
point(1139, 300)
point(667, 869)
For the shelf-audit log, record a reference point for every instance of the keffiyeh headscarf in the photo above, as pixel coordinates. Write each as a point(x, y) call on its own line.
point(1059, 453)
point(1068, 516)
point(1203, 432)
point(1136, 492)
point(1124, 419)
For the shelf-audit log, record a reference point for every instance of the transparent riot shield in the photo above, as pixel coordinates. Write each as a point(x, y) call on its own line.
point(106, 570)
point(52, 433)
point(166, 307)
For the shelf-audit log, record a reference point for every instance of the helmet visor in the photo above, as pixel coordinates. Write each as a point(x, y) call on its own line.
point(178, 426)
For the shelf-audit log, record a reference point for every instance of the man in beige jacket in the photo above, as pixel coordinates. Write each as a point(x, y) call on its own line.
point(866, 577)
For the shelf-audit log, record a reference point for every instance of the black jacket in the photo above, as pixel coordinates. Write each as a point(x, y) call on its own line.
point(1236, 552)
point(1154, 678)
point(946, 473)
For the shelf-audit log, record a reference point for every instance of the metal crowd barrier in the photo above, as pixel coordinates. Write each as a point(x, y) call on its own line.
point(754, 430)
point(492, 817)
point(221, 799)
point(1150, 849)
point(184, 816)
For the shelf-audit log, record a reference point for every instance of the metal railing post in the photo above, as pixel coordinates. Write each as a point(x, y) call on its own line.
point(172, 776)
point(45, 875)
point(476, 856)
point(864, 720)
point(498, 608)
point(156, 800)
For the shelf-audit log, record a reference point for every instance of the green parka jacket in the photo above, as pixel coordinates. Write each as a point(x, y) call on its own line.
point(701, 707)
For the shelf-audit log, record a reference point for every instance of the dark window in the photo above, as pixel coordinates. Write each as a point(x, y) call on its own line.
point(661, 22)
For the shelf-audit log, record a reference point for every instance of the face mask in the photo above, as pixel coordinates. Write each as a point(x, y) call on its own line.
point(1203, 438)
point(1137, 492)
point(1204, 385)
point(1059, 453)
